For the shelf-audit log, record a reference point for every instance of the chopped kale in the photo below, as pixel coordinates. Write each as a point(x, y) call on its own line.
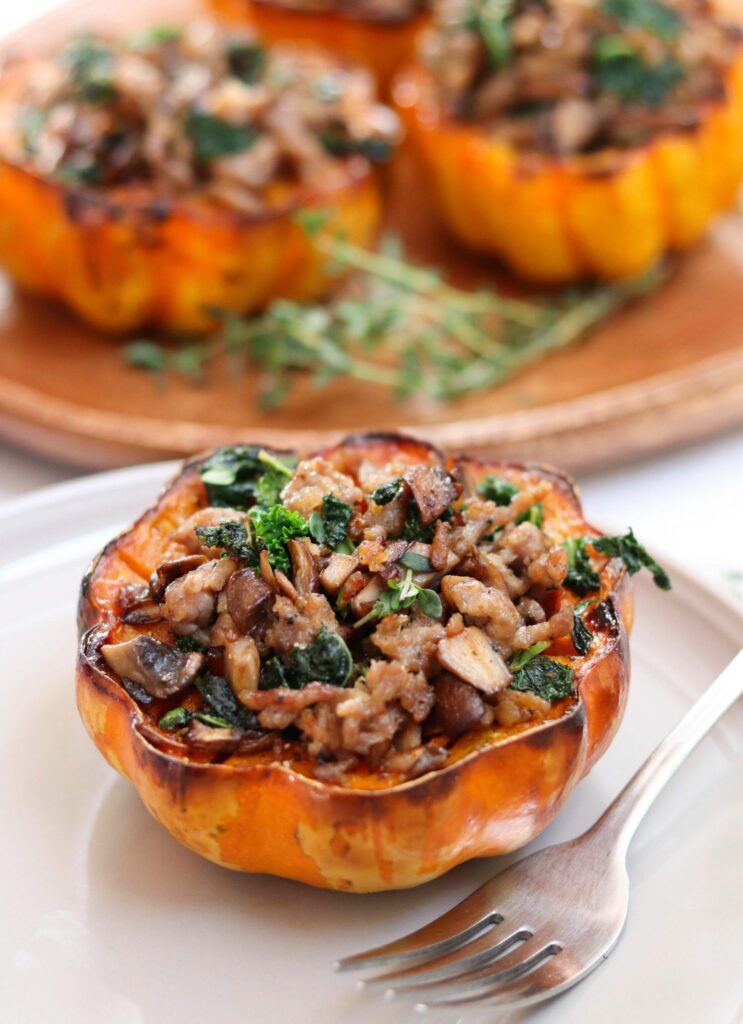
point(91, 67)
point(213, 138)
point(326, 659)
point(175, 719)
point(534, 514)
point(414, 529)
point(234, 477)
point(272, 674)
point(157, 35)
point(654, 17)
point(339, 143)
point(582, 578)
point(493, 24)
point(246, 61)
point(634, 556)
point(619, 68)
point(223, 703)
point(214, 721)
point(274, 527)
point(234, 537)
point(581, 635)
point(387, 492)
point(187, 644)
point(548, 679)
point(524, 657)
point(330, 526)
point(497, 489)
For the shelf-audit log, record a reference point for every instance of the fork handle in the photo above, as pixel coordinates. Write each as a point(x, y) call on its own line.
point(619, 822)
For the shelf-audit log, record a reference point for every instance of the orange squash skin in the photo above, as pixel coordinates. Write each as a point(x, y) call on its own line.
point(382, 46)
point(565, 220)
point(121, 261)
point(498, 790)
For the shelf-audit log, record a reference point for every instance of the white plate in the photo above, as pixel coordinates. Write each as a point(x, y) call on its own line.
point(107, 920)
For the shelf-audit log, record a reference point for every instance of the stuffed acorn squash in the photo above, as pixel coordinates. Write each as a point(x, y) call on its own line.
point(578, 138)
point(152, 180)
point(360, 668)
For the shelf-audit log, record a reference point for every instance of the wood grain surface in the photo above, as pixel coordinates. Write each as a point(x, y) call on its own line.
point(667, 371)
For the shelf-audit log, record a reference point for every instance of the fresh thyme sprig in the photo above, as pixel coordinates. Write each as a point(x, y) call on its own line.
point(397, 326)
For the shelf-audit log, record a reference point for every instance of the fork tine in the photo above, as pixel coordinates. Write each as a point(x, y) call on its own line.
point(472, 984)
point(473, 956)
point(448, 932)
point(544, 981)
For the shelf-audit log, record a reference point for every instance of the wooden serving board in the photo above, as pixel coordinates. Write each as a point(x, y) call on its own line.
point(667, 371)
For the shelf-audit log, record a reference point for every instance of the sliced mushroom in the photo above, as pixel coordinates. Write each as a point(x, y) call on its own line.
point(247, 595)
point(214, 739)
point(459, 706)
point(172, 570)
point(136, 605)
point(267, 573)
point(337, 571)
point(242, 667)
point(365, 599)
point(304, 567)
point(433, 490)
point(161, 670)
point(471, 656)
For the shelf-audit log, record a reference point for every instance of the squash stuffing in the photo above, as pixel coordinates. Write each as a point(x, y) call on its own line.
point(357, 668)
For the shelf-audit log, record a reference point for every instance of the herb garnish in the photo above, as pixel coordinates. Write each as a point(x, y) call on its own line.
point(402, 594)
point(497, 489)
point(213, 138)
point(523, 657)
point(275, 526)
point(404, 329)
point(533, 514)
point(551, 680)
point(582, 578)
point(634, 556)
point(330, 525)
point(418, 563)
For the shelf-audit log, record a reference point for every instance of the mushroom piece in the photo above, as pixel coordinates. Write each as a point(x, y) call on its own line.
point(242, 667)
point(136, 605)
point(337, 571)
point(433, 490)
point(247, 595)
point(171, 570)
point(161, 670)
point(471, 656)
point(215, 739)
point(459, 707)
point(365, 600)
point(303, 566)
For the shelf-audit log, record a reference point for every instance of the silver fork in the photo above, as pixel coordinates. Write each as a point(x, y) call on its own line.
point(547, 921)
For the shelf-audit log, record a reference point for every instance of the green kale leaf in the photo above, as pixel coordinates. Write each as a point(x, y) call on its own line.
point(326, 659)
point(548, 679)
point(654, 17)
point(581, 635)
point(213, 138)
point(275, 527)
point(387, 492)
point(582, 578)
point(634, 556)
point(234, 477)
point(330, 526)
point(233, 536)
point(497, 489)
